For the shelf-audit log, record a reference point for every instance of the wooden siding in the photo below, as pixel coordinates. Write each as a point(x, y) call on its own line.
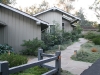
point(51, 16)
point(18, 28)
point(67, 26)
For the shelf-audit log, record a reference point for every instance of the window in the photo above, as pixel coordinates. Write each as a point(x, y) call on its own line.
point(63, 27)
point(52, 29)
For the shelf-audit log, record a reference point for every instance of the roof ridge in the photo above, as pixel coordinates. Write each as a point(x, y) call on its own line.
point(56, 8)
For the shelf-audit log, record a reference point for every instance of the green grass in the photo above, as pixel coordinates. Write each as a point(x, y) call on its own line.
point(85, 54)
point(38, 71)
point(33, 71)
point(66, 73)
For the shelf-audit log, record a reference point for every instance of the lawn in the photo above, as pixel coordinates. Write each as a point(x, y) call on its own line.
point(38, 71)
point(89, 52)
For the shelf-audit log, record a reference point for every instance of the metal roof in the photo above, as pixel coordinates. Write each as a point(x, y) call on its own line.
point(23, 13)
point(54, 9)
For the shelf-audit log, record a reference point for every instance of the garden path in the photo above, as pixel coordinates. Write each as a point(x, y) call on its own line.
point(75, 67)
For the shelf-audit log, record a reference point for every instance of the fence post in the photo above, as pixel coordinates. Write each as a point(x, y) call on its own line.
point(58, 62)
point(4, 68)
point(40, 51)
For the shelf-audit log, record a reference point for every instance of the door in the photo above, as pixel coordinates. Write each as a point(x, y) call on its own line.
point(1, 34)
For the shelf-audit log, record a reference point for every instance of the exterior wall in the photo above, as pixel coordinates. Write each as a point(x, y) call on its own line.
point(18, 28)
point(67, 26)
point(51, 16)
point(1, 34)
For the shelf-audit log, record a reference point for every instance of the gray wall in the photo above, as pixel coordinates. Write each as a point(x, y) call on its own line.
point(18, 28)
point(51, 16)
point(67, 26)
point(57, 16)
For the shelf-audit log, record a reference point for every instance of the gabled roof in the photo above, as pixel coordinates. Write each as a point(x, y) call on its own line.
point(57, 9)
point(23, 13)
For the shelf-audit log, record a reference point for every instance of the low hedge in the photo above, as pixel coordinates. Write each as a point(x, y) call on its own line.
point(96, 40)
point(13, 59)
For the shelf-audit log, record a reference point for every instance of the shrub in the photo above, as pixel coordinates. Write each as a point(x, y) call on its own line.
point(90, 35)
point(66, 36)
point(5, 48)
point(36, 70)
point(33, 71)
point(32, 46)
point(25, 74)
point(81, 56)
point(96, 40)
point(86, 56)
point(13, 59)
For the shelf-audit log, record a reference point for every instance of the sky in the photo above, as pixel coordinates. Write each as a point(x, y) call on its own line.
point(84, 4)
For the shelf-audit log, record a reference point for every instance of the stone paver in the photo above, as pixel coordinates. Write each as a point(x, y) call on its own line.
point(75, 67)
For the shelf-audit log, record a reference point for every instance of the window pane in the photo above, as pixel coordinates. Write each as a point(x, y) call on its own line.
point(52, 28)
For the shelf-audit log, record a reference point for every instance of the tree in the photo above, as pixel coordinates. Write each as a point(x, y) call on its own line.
point(7, 1)
point(66, 4)
point(83, 21)
point(96, 7)
point(35, 9)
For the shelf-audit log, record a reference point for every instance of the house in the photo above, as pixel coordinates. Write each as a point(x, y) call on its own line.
point(16, 26)
point(65, 20)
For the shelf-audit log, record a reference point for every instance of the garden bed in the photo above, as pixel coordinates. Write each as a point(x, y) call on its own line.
point(89, 52)
point(38, 71)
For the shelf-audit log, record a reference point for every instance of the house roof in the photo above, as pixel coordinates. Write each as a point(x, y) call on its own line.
point(55, 8)
point(23, 13)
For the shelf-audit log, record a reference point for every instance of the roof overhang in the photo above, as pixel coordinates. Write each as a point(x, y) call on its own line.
point(73, 25)
point(57, 9)
point(23, 13)
point(70, 19)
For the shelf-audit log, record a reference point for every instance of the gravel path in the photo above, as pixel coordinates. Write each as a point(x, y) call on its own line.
point(75, 67)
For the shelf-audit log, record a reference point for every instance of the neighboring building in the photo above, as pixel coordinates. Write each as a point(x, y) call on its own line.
point(16, 26)
point(89, 28)
point(65, 20)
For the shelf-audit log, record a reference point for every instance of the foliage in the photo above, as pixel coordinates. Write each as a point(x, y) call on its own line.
point(59, 37)
point(5, 48)
point(96, 7)
point(93, 37)
point(76, 33)
point(39, 70)
point(66, 37)
point(33, 71)
point(96, 40)
point(87, 57)
point(66, 5)
point(36, 8)
point(83, 21)
point(85, 54)
point(66, 73)
point(7, 1)
point(90, 35)
point(44, 5)
point(32, 46)
point(13, 59)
